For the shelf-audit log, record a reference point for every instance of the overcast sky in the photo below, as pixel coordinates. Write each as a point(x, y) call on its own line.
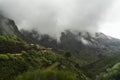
point(111, 21)
point(54, 16)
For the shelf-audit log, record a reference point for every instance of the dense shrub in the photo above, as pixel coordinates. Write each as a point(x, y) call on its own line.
point(47, 75)
point(11, 66)
point(11, 44)
point(111, 74)
point(4, 57)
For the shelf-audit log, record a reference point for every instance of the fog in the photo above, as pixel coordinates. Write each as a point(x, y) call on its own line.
point(54, 16)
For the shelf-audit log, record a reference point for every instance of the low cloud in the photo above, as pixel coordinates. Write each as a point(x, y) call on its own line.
point(54, 16)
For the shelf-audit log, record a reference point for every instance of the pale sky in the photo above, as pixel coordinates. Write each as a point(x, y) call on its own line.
point(54, 16)
point(111, 21)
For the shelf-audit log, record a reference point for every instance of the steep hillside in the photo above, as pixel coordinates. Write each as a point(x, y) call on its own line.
point(8, 26)
point(11, 40)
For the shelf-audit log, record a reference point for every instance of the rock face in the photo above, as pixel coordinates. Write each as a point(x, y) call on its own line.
point(7, 26)
point(79, 42)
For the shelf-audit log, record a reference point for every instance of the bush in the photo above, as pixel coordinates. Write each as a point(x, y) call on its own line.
point(4, 57)
point(11, 44)
point(111, 74)
point(47, 75)
point(11, 65)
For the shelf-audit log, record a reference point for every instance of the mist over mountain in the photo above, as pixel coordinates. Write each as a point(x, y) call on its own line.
point(77, 42)
point(69, 41)
point(54, 16)
point(8, 26)
point(77, 53)
point(73, 22)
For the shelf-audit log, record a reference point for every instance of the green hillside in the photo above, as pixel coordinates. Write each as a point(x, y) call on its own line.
point(14, 62)
point(23, 58)
point(19, 61)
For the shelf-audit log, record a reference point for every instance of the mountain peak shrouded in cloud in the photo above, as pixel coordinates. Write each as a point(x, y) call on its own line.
point(54, 16)
point(8, 26)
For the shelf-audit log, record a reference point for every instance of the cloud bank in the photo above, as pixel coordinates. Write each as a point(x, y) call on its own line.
point(54, 16)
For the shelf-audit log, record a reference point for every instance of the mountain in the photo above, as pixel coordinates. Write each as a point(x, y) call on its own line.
point(8, 26)
point(76, 56)
point(78, 42)
point(18, 56)
point(11, 40)
point(93, 54)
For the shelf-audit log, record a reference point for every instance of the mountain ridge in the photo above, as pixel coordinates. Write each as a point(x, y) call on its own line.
point(83, 55)
point(77, 42)
point(8, 26)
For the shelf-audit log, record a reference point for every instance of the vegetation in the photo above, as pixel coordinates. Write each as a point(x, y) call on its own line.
point(21, 62)
point(47, 75)
point(22, 58)
point(101, 65)
point(13, 64)
point(111, 73)
point(11, 44)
